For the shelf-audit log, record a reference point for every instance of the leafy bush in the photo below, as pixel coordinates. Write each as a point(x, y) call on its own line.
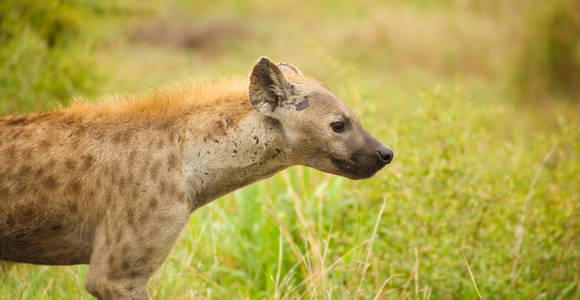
point(45, 51)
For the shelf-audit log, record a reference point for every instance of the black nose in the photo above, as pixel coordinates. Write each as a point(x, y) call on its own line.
point(385, 154)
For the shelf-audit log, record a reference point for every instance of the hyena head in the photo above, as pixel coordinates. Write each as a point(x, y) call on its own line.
point(320, 130)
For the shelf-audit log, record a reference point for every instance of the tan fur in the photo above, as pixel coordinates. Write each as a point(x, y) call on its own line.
point(113, 183)
point(166, 102)
point(165, 105)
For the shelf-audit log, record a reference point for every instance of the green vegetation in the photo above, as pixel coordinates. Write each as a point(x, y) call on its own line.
point(47, 51)
point(483, 194)
point(550, 59)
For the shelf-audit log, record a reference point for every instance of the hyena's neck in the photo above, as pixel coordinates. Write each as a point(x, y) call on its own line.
point(215, 164)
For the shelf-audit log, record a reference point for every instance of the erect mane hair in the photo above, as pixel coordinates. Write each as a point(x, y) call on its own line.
point(164, 103)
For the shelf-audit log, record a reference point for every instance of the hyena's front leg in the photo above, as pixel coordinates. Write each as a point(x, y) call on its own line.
point(129, 247)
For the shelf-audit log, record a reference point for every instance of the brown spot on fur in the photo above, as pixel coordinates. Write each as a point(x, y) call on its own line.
point(162, 187)
point(171, 162)
point(111, 275)
point(135, 193)
point(25, 170)
point(152, 203)
point(114, 168)
point(172, 189)
point(4, 193)
point(143, 260)
point(121, 184)
point(70, 164)
point(155, 170)
point(29, 212)
point(50, 164)
point(143, 217)
point(16, 134)
point(126, 137)
point(75, 144)
point(109, 198)
point(107, 233)
point(131, 218)
point(130, 178)
point(220, 128)
point(117, 137)
point(74, 186)
point(45, 144)
point(43, 198)
point(119, 236)
point(27, 153)
point(182, 197)
point(99, 134)
point(131, 159)
point(21, 189)
point(73, 207)
point(87, 161)
point(50, 183)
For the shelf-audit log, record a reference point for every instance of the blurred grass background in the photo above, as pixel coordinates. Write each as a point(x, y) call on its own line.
point(479, 100)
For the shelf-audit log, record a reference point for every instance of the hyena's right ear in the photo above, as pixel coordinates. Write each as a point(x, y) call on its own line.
point(286, 67)
point(269, 89)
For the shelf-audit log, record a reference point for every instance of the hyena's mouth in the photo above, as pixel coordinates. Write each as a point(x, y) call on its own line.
point(353, 171)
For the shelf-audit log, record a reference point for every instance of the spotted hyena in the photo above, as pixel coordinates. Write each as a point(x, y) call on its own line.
point(112, 184)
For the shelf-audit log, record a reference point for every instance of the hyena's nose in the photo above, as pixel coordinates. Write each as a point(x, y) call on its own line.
point(385, 154)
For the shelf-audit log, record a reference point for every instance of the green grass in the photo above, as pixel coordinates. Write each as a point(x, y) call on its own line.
point(483, 191)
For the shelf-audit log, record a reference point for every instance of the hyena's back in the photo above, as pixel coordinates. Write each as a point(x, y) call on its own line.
point(56, 182)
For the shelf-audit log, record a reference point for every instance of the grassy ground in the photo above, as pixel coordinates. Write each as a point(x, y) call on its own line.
point(482, 199)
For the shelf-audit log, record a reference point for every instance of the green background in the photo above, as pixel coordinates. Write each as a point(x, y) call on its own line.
point(478, 99)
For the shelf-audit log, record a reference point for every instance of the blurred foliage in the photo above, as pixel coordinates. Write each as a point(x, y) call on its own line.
point(46, 52)
point(550, 58)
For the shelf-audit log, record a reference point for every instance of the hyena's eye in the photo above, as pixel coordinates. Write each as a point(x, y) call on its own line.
point(337, 126)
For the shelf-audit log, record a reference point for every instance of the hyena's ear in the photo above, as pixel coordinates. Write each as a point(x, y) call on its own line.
point(286, 67)
point(269, 88)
